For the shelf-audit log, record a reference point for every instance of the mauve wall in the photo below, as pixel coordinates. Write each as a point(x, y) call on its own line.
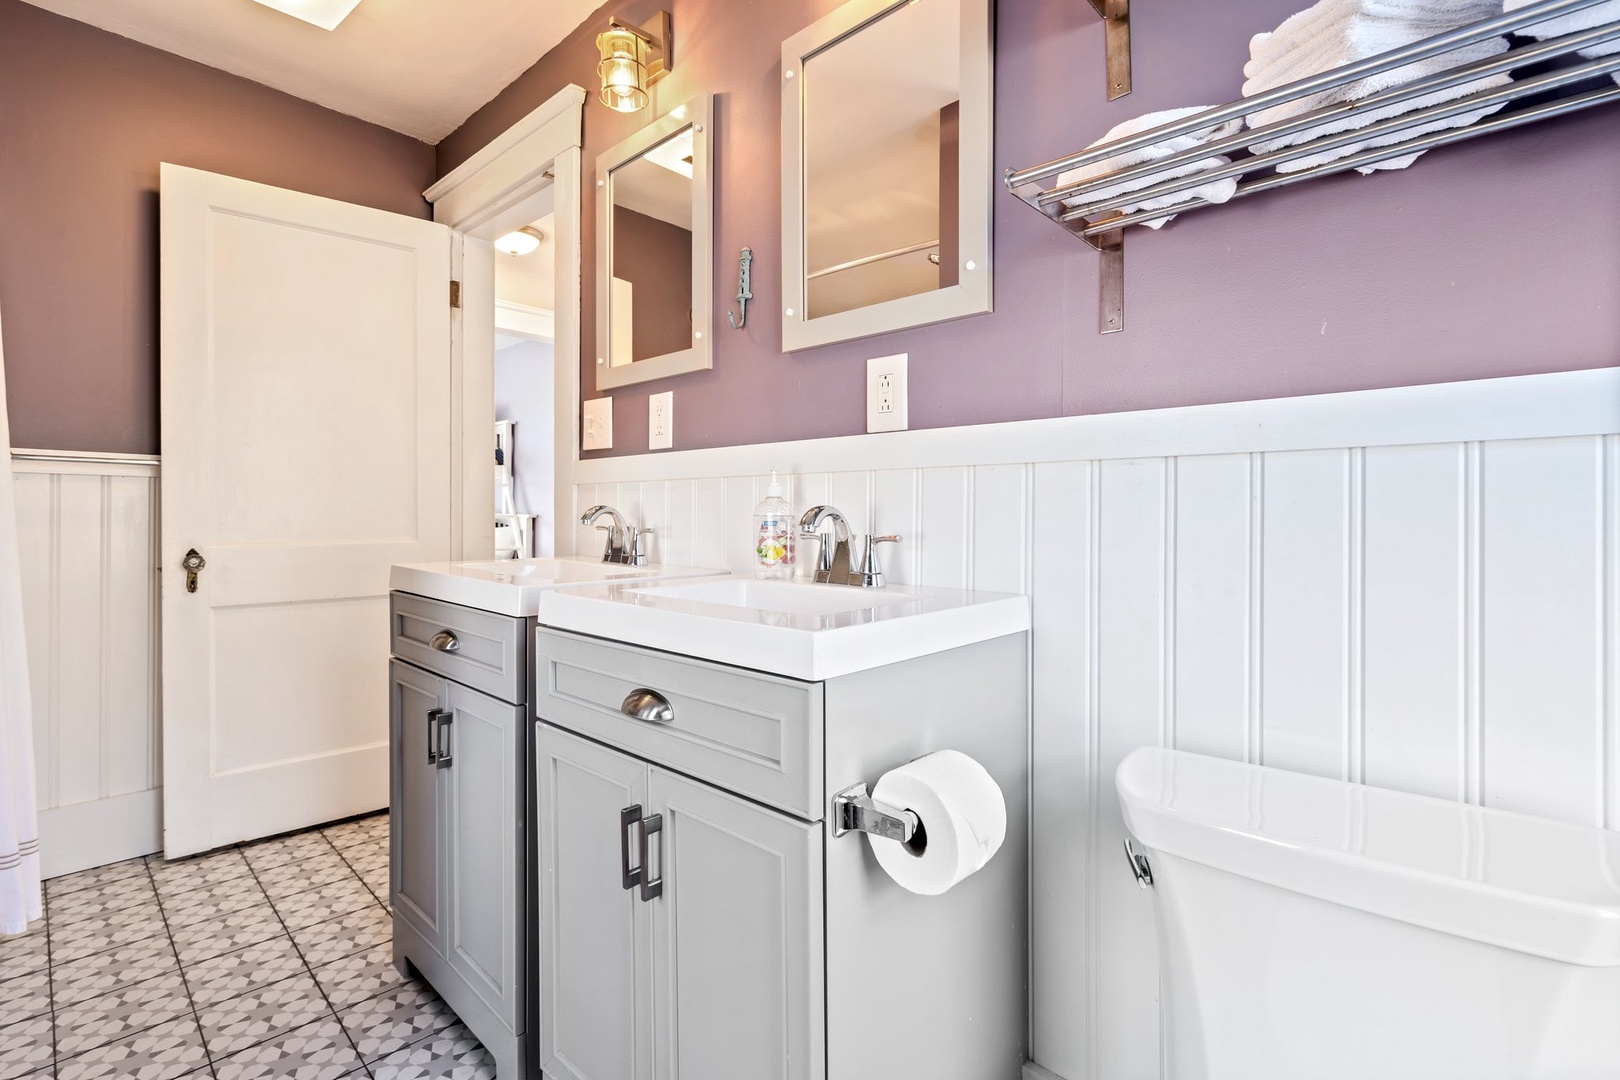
point(85, 119)
point(1496, 258)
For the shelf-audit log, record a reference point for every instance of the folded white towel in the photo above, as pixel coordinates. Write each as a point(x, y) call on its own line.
point(1346, 31)
point(1573, 23)
point(1216, 191)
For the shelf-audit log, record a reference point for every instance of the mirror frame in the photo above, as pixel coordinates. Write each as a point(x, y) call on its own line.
point(973, 294)
point(698, 114)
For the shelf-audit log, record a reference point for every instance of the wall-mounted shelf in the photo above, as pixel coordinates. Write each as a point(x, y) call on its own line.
point(1575, 83)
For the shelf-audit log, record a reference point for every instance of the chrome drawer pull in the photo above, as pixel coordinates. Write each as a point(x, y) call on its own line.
point(444, 641)
point(648, 705)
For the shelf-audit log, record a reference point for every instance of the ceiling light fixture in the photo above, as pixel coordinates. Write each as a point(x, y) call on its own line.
point(524, 241)
point(325, 14)
point(633, 58)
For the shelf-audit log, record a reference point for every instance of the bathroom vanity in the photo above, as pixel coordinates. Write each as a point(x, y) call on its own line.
point(617, 842)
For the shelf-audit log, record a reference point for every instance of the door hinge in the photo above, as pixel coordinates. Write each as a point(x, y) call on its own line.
point(455, 294)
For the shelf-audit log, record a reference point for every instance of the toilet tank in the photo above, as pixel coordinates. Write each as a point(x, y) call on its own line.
point(1311, 929)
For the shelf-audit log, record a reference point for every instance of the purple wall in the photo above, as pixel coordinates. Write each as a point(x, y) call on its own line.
point(86, 117)
point(1496, 258)
point(655, 257)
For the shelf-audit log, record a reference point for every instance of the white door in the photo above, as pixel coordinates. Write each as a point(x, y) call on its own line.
point(306, 430)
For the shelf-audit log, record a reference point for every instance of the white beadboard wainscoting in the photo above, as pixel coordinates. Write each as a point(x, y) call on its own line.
point(88, 527)
point(1415, 588)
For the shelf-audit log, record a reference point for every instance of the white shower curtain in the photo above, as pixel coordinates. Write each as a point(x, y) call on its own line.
point(19, 816)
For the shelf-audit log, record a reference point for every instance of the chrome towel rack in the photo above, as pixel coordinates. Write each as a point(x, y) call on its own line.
point(1101, 222)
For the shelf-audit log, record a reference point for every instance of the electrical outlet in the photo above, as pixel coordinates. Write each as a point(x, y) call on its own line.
point(598, 424)
point(661, 421)
point(886, 408)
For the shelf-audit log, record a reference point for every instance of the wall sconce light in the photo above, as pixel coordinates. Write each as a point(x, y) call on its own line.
point(633, 58)
point(524, 241)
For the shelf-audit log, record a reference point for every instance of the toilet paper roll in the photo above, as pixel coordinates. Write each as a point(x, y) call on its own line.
point(964, 820)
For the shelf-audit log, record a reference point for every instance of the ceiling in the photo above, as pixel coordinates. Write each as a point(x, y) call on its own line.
point(420, 67)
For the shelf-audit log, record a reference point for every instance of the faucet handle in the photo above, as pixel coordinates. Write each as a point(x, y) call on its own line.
point(871, 574)
point(638, 549)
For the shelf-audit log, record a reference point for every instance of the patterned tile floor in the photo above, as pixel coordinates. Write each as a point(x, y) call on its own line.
point(270, 959)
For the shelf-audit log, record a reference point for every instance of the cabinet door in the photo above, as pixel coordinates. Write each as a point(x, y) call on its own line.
point(738, 975)
point(482, 762)
point(595, 955)
point(416, 889)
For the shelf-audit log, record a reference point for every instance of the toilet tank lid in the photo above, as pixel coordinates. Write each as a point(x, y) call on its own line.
point(1525, 883)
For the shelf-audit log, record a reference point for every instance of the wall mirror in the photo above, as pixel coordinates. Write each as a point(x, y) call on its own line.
point(654, 235)
point(886, 169)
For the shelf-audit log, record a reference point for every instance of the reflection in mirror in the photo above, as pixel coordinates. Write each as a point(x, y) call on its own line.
point(887, 117)
point(654, 232)
point(880, 172)
point(650, 306)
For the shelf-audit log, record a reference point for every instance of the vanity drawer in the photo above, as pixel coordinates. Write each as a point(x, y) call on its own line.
point(483, 650)
point(754, 734)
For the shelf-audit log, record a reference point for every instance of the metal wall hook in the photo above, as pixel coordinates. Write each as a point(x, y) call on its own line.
point(744, 289)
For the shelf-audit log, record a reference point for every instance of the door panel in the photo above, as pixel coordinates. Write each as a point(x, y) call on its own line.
point(306, 446)
point(595, 955)
point(416, 886)
point(737, 939)
point(485, 940)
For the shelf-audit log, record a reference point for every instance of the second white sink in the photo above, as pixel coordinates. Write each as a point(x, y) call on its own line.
point(787, 597)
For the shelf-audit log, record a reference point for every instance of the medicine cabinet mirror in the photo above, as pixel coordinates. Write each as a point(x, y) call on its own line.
point(886, 169)
point(654, 234)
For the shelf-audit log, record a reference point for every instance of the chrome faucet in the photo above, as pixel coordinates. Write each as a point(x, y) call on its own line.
point(625, 543)
point(833, 563)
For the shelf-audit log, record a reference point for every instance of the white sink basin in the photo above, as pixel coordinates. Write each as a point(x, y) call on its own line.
point(514, 586)
point(798, 629)
point(784, 597)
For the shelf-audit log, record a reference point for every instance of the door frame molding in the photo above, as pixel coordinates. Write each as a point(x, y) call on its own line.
point(531, 168)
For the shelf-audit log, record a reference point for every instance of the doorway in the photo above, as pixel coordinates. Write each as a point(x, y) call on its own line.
point(525, 392)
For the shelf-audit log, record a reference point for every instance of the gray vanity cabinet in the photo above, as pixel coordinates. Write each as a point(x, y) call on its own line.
point(709, 971)
point(458, 798)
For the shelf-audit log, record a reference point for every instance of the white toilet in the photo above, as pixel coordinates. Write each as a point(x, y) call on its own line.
point(1316, 930)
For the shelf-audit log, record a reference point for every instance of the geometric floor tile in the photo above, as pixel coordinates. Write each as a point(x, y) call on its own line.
point(100, 875)
point(267, 961)
point(452, 1053)
point(235, 973)
point(125, 1011)
point(211, 901)
point(318, 1051)
point(183, 875)
point(204, 940)
point(290, 879)
point(86, 937)
point(332, 940)
point(26, 996)
point(351, 833)
point(98, 900)
point(328, 902)
point(359, 976)
point(26, 952)
point(394, 1020)
point(261, 1014)
point(164, 1052)
point(25, 1047)
point(89, 977)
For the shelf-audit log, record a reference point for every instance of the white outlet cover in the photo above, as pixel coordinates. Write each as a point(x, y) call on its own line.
point(597, 420)
point(661, 421)
point(898, 418)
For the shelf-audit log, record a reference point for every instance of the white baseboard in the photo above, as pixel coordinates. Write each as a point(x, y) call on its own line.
point(77, 837)
point(1033, 1071)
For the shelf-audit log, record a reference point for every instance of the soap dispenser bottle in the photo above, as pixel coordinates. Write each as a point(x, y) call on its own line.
point(773, 535)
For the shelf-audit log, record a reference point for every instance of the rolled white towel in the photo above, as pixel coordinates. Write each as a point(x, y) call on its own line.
point(1573, 23)
point(1306, 29)
point(1216, 191)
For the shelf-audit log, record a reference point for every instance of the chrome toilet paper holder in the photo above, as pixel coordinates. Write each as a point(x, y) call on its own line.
point(854, 810)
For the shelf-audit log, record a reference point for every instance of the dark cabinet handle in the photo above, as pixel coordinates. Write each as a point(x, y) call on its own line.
point(434, 717)
point(651, 886)
point(629, 818)
point(442, 757)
